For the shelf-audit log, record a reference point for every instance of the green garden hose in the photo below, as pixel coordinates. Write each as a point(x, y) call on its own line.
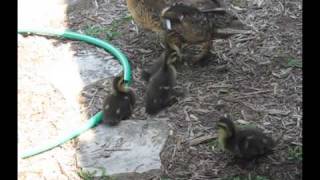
point(96, 119)
point(93, 121)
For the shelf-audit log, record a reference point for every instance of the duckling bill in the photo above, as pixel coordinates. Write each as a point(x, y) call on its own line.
point(119, 105)
point(246, 143)
point(160, 87)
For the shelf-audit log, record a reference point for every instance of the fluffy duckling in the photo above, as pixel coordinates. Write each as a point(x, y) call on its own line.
point(160, 87)
point(148, 72)
point(246, 144)
point(119, 105)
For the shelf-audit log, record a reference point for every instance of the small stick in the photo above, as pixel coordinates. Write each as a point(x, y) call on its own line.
point(258, 92)
point(202, 139)
point(215, 10)
point(91, 101)
point(117, 149)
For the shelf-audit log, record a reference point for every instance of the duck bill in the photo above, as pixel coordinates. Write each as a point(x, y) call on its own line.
point(168, 24)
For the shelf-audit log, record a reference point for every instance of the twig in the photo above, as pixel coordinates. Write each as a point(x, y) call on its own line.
point(91, 101)
point(53, 125)
point(173, 155)
point(257, 92)
point(277, 112)
point(186, 113)
point(215, 10)
point(135, 169)
point(202, 139)
point(91, 19)
point(275, 88)
point(298, 122)
point(283, 125)
point(61, 170)
point(96, 4)
point(117, 149)
point(282, 7)
point(190, 131)
point(76, 161)
point(245, 39)
point(220, 86)
point(296, 143)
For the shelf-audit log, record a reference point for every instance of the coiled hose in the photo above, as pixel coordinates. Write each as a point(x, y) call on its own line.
point(96, 119)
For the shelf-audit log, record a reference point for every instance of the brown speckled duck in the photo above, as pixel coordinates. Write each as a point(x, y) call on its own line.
point(203, 20)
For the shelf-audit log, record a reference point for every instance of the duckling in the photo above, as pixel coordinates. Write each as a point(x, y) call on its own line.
point(119, 105)
point(160, 89)
point(147, 73)
point(246, 144)
point(198, 27)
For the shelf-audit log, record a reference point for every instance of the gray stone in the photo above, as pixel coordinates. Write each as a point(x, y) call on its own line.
point(130, 147)
point(70, 76)
point(93, 68)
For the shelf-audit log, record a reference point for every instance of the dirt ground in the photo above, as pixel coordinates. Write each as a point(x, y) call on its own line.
point(256, 78)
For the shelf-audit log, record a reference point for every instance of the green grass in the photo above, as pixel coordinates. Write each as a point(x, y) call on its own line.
point(165, 178)
point(249, 177)
point(261, 178)
point(96, 31)
point(86, 175)
point(110, 32)
point(240, 3)
point(294, 63)
point(295, 153)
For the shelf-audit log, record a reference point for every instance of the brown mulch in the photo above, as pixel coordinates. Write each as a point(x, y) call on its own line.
point(255, 78)
point(249, 77)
